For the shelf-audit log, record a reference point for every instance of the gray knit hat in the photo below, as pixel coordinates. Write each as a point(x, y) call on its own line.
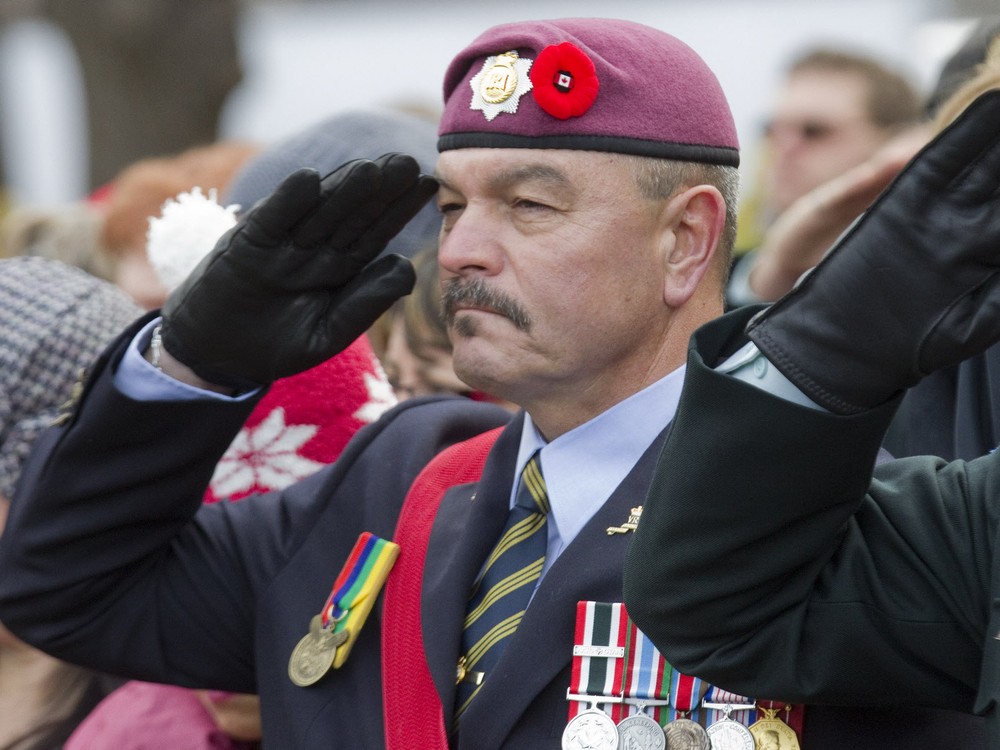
point(362, 134)
point(55, 319)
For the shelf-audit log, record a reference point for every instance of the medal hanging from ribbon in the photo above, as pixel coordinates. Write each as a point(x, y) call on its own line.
point(726, 732)
point(756, 725)
point(682, 728)
point(645, 694)
point(771, 732)
point(333, 632)
point(656, 707)
point(685, 696)
point(717, 697)
point(598, 671)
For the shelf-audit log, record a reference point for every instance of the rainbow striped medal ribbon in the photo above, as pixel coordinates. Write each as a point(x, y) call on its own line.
point(333, 632)
point(598, 670)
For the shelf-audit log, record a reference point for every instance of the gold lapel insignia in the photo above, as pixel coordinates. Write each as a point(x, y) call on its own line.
point(630, 525)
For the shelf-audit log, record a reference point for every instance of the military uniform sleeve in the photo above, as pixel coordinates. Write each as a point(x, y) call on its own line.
point(770, 561)
point(98, 505)
point(111, 560)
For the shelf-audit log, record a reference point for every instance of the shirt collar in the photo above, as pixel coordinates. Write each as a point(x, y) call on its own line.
point(608, 446)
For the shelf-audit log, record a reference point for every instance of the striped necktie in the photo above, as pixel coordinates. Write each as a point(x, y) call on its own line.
point(501, 594)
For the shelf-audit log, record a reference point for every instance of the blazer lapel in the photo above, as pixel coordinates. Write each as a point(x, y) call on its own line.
point(588, 569)
point(466, 527)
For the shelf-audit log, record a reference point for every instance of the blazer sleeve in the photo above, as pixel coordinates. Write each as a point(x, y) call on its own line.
point(774, 559)
point(111, 560)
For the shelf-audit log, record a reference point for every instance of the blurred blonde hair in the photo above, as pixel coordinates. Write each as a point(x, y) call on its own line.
point(986, 78)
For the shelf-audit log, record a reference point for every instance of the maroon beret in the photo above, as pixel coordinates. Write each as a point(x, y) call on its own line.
point(586, 83)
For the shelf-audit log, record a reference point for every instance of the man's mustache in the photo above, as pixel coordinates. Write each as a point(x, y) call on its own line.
point(476, 293)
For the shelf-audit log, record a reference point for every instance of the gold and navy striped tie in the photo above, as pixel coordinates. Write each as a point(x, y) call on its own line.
point(500, 596)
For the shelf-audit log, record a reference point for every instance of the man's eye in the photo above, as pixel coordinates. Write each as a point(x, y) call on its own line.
point(529, 204)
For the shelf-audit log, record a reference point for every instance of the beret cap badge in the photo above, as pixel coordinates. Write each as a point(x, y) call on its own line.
point(498, 87)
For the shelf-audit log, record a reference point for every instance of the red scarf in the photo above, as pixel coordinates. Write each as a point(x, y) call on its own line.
point(413, 713)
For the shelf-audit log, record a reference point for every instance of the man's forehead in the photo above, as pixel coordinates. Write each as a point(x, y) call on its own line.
point(824, 90)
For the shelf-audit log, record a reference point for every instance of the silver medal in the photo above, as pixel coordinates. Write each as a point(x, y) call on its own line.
point(591, 729)
point(640, 732)
point(727, 734)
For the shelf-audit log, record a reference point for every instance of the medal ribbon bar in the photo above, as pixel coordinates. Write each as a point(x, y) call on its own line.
point(647, 677)
point(744, 708)
point(356, 588)
point(685, 696)
point(599, 625)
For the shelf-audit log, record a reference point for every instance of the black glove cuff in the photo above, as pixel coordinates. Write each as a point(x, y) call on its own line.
point(183, 355)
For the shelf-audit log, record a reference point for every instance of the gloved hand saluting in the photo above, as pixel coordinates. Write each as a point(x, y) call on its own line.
point(295, 281)
point(911, 287)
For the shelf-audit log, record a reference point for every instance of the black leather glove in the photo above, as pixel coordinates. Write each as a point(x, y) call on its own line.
point(910, 288)
point(294, 282)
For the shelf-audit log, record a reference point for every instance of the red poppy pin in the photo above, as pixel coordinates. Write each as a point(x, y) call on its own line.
point(564, 81)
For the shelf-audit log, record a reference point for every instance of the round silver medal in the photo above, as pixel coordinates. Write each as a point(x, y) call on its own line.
point(727, 734)
point(590, 730)
point(685, 734)
point(640, 732)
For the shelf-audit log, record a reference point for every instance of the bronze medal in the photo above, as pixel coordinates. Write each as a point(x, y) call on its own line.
point(685, 734)
point(313, 657)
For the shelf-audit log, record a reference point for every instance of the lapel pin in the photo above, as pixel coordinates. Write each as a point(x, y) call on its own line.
point(630, 525)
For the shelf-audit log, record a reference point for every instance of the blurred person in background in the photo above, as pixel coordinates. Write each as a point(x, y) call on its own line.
point(411, 338)
point(955, 412)
point(55, 320)
point(105, 234)
point(834, 111)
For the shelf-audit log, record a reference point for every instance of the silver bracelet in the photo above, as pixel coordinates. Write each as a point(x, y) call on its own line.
point(156, 345)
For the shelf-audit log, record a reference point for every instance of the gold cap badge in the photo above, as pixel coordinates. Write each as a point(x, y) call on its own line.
point(498, 87)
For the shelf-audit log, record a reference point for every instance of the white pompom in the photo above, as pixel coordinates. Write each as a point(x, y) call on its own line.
point(185, 232)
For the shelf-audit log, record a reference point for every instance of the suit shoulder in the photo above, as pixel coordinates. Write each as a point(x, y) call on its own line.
point(439, 421)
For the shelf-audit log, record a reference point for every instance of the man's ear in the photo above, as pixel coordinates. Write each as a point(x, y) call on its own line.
point(695, 219)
